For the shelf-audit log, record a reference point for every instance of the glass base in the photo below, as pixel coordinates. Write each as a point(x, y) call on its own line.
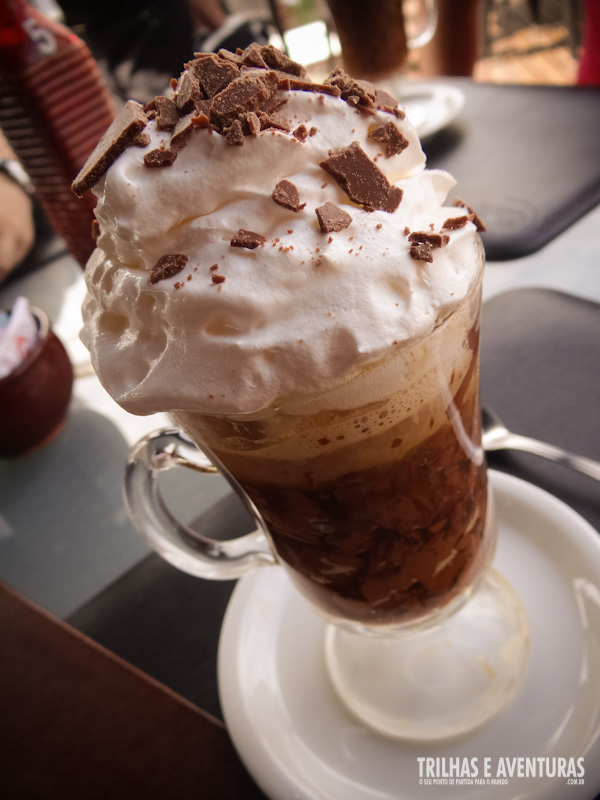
point(439, 682)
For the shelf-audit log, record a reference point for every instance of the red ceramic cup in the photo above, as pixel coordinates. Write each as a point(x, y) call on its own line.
point(35, 396)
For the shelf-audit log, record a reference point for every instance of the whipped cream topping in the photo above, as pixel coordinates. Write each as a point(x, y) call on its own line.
point(238, 329)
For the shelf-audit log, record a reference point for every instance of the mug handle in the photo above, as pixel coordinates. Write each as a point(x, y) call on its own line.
point(431, 15)
point(181, 546)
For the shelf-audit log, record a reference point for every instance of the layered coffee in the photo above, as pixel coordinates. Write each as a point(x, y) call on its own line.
point(378, 510)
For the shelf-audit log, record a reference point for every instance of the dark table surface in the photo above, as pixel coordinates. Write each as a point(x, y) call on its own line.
point(526, 158)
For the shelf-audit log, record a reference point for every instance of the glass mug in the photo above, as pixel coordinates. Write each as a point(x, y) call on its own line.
point(374, 36)
point(374, 499)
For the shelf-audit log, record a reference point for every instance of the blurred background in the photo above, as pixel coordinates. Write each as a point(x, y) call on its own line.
point(503, 41)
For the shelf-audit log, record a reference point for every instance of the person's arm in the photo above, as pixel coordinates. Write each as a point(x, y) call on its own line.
point(17, 230)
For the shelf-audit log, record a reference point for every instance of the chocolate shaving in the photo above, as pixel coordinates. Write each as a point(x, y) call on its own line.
point(307, 85)
point(246, 93)
point(275, 59)
point(274, 103)
point(250, 123)
point(385, 102)
point(361, 179)
point(227, 55)
point(217, 278)
point(476, 219)
point(252, 56)
point(248, 239)
point(363, 94)
point(120, 134)
point(204, 107)
point(235, 135)
point(273, 121)
point(301, 132)
point(389, 135)
point(422, 251)
point(186, 125)
point(167, 266)
point(159, 158)
point(141, 139)
point(286, 194)
point(425, 237)
point(332, 219)
point(189, 93)
point(352, 91)
point(214, 73)
point(166, 112)
point(454, 223)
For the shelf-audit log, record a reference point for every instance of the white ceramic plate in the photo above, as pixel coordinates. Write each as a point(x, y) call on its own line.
point(299, 742)
point(429, 106)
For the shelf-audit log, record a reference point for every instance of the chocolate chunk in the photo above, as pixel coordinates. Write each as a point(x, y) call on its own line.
point(167, 266)
point(235, 135)
point(453, 223)
point(385, 102)
point(141, 139)
point(301, 132)
point(252, 56)
point(227, 55)
point(250, 123)
point(331, 218)
point(247, 239)
point(274, 103)
point(188, 94)
point(361, 179)
point(425, 237)
point(286, 194)
point(389, 135)
point(166, 112)
point(354, 92)
point(214, 73)
point(204, 107)
point(246, 93)
point(217, 278)
point(275, 59)
point(120, 134)
point(422, 251)
point(363, 94)
point(306, 85)
point(186, 125)
point(273, 121)
point(476, 219)
point(159, 158)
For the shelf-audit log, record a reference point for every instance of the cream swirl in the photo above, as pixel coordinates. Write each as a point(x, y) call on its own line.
point(238, 329)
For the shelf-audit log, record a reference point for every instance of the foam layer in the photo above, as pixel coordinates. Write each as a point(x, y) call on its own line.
point(300, 314)
point(405, 398)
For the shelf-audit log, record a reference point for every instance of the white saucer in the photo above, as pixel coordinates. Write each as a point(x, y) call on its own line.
point(429, 106)
point(299, 742)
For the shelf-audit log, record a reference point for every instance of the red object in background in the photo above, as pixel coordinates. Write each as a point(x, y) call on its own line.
point(35, 396)
point(589, 64)
point(54, 107)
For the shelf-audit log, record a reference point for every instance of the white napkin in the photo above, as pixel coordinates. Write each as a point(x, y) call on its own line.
point(18, 334)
